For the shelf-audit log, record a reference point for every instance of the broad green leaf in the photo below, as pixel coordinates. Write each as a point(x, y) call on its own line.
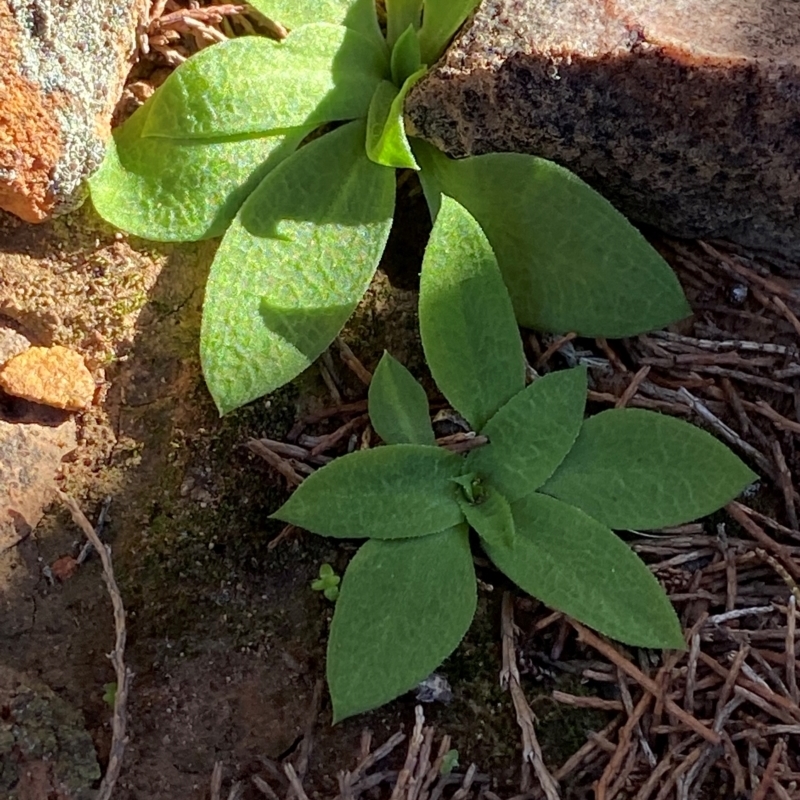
point(293, 266)
point(491, 517)
point(394, 492)
point(399, 15)
point(398, 405)
point(356, 14)
point(403, 607)
point(571, 262)
point(638, 469)
point(530, 435)
point(181, 191)
point(578, 566)
point(387, 143)
point(469, 335)
point(440, 21)
point(405, 60)
point(319, 73)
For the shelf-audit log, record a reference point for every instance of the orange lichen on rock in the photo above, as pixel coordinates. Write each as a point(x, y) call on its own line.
point(29, 135)
point(54, 376)
point(62, 69)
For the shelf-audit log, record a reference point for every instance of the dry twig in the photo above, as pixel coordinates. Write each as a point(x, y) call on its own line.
point(119, 737)
point(509, 679)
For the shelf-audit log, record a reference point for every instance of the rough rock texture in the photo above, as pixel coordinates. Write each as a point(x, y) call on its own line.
point(54, 376)
point(31, 450)
point(62, 67)
point(683, 113)
point(11, 343)
point(46, 750)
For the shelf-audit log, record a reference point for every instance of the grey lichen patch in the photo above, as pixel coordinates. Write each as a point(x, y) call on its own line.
point(11, 343)
point(77, 52)
point(47, 738)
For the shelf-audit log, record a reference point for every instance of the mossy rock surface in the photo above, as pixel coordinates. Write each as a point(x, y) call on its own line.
point(44, 742)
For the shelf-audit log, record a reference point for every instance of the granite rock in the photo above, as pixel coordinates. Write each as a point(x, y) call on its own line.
point(683, 113)
point(62, 68)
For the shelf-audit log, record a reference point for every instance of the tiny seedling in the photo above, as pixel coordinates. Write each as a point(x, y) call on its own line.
point(110, 694)
point(216, 151)
point(449, 762)
point(543, 495)
point(327, 583)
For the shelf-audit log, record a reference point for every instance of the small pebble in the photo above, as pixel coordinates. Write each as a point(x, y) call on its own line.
point(739, 294)
point(434, 689)
point(64, 568)
point(54, 376)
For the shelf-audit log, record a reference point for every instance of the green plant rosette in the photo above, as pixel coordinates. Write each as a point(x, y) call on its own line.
point(231, 146)
point(543, 495)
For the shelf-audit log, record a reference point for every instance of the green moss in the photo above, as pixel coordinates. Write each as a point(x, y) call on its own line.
point(199, 566)
point(38, 726)
point(481, 717)
point(562, 729)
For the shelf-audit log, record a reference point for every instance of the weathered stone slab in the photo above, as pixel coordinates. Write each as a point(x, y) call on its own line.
point(62, 68)
point(684, 113)
point(31, 450)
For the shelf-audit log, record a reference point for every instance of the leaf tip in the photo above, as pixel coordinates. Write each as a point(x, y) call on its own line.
point(674, 640)
point(280, 513)
point(666, 636)
point(341, 709)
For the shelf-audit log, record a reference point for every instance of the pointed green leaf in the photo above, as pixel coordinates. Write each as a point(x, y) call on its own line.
point(466, 320)
point(430, 186)
point(530, 435)
point(403, 607)
point(576, 565)
point(638, 469)
point(490, 516)
point(387, 143)
point(356, 14)
point(571, 262)
point(394, 492)
point(471, 486)
point(173, 191)
point(399, 15)
point(440, 21)
point(398, 405)
point(319, 73)
point(293, 266)
point(405, 59)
